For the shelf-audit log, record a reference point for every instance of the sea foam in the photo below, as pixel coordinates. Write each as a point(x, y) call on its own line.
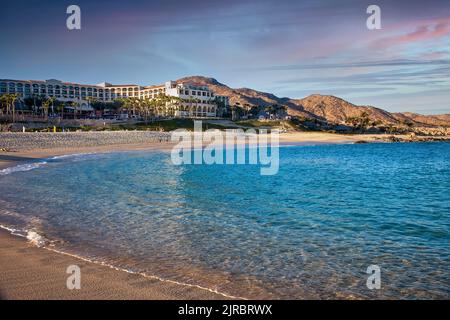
point(36, 239)
point(22, 167)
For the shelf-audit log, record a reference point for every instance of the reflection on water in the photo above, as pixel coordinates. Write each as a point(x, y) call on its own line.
point(310, 231)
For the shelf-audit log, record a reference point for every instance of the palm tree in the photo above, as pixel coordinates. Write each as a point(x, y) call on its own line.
point(191, 101)
point(364, 121)
point(34, 97)
point(45, 106)
point(9, 100)
point(13, 98)
point(60, 108)
point(122, 105)
point(235, 111)
point(145, 108)
point(4, 103)
point(126, 105)
point(174, 105)
point(90, 100)
point(160, 103)
point(52, 103)
point(118, 105)
point(74, 104)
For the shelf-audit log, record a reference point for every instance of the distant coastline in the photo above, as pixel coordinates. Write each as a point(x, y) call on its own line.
point(17, 147)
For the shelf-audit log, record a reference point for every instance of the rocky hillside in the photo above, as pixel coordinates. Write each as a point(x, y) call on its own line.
point(431, 120)
point(326, 108)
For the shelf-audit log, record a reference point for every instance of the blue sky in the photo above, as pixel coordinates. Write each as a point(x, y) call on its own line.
point(289, 48)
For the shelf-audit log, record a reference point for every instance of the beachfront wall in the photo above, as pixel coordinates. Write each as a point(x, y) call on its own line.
point(192, 100)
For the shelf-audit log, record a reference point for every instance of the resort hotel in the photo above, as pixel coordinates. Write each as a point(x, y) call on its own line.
point(192, 100)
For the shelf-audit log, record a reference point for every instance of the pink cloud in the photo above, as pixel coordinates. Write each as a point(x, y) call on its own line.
point(427, 31)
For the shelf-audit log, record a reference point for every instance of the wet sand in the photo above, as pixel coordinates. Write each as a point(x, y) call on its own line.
point(29, 272)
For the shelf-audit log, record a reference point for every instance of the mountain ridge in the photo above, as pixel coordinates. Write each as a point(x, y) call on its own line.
point(327, 108)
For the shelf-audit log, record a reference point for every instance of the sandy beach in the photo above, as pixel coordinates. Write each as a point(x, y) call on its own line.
point(29, 272)
point(28, 147)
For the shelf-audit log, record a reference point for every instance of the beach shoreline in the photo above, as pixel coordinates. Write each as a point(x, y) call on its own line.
point(23, 151)
point(29, 272)
point(33, 273)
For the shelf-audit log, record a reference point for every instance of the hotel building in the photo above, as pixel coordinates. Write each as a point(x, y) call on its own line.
point(192, 100)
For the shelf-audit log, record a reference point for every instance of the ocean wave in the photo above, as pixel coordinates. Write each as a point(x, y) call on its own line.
point(22, 167)
point(35, 165)
point(72, 155)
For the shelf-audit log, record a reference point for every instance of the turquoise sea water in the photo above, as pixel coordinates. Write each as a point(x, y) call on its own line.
point(310, 231)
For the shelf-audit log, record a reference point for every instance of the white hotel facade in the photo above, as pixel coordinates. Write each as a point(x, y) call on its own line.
point(196, 100)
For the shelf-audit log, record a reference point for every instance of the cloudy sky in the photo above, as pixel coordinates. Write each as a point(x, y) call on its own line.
point(290, 48)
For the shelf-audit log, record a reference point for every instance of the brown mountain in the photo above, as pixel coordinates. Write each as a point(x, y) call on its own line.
point(327, 108)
